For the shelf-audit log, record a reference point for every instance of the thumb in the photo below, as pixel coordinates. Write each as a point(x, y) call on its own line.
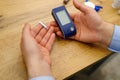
point(26, 31)
point(83, 8)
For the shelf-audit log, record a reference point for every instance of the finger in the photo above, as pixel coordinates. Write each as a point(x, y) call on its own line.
point(36, 30)
point(72, 37)
point(48, 25)
point(56, 29)
point(80, 6)
point(47, 36)
point(54, 24)
point(59, 33)
point(50, 42)
point(72, 16)
point(40, 35)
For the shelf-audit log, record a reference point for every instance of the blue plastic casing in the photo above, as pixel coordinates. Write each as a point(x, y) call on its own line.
point(68, 29)
point(97, 8)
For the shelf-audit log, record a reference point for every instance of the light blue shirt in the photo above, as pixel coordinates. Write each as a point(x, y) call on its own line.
point(114, 46)
point(43, 78)
point(115, 42)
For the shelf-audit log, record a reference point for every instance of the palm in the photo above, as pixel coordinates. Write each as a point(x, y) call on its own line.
point(45, 53)
point(37, 43)
point(43, 41)
point(86, 27)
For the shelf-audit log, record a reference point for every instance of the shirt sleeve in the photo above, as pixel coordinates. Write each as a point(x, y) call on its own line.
point(115, 42)
point(43, 78)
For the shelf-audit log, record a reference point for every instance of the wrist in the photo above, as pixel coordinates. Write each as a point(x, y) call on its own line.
point(106, 32)
point(40, 68)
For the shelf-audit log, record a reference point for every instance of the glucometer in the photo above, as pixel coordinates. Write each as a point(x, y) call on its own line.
point(64, 21)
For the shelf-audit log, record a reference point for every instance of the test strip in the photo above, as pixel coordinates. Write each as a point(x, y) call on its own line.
point(43, 25)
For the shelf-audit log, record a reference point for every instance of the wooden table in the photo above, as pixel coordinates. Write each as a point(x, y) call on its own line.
point(67, 56)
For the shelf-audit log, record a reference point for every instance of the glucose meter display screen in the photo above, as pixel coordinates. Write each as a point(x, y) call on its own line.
point(63, 17)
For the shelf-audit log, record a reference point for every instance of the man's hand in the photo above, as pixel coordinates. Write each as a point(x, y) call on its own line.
point(90, 27)
point(36, 46)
